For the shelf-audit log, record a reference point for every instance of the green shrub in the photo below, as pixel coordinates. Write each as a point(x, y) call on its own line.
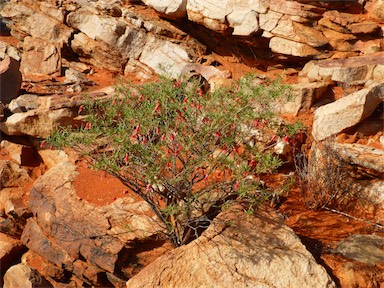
point(186, 153)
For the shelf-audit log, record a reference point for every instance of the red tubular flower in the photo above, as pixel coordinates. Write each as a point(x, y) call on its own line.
point(148, 187)
point(42, 144)
point(157, 107)
point(126, 158)
point(286, 139)
point(256, 123)
point(273, 137)
point(81, 108)
point(88, 126)
point(201, 93)
point(237, 185)
point(177, 84)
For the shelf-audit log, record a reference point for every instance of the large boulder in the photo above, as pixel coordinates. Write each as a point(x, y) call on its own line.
point(84, 239)
point(346, 112)
point(10, 79)
point(238, 250)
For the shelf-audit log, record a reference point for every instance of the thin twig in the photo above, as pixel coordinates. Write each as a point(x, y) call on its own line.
point(354, 218)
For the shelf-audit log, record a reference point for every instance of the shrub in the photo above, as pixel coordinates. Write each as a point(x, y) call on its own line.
point(325, 178)
point(184, 152)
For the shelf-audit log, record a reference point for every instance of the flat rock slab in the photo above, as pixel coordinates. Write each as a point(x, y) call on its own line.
point(360, 68)
point(363, 248)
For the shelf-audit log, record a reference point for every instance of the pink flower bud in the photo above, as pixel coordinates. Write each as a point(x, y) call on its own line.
point(237, 185)
point(126, 158)
point(157, 107)
point(81, 108)
point(88, 126)
point(273, 137)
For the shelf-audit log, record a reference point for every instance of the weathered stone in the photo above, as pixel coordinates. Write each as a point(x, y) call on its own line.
point(24, 155)
point(28, 20)
point(364, 27)
point(369, 158)
point(97, 53)
point(346, 112)
point(243, 22)
point(128, 41)
point(363, 248)
point(236, 251)
point(286, 28)
point(10, 79)
point(51, 158)
point(164, 56)
point(343, 70)
point(326, 22)
point(209, 73)
point(296, 8)
point(172, 9)
point(301, 97)
point(289, 47)
point(37, 123)
point(269, 20)
point(210, 14)
point(11, 51)
point(44, 267)
point(21, 275)
point(40, 57)
point(11, 175)
point(376, 9)
point(78, 229)
point(24, 103)
point(341, 18)
point(336, 36)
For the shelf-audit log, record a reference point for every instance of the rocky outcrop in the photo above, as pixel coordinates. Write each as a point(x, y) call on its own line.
point(236, 251)
point(346, 112)
point(38, 116)
point(85, 240)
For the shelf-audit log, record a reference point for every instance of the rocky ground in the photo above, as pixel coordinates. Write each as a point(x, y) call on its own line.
point(65, 225)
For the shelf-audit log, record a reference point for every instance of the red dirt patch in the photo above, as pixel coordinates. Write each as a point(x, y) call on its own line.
point(98, 187)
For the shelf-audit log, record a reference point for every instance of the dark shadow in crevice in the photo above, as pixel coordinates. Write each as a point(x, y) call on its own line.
point(316, 248)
